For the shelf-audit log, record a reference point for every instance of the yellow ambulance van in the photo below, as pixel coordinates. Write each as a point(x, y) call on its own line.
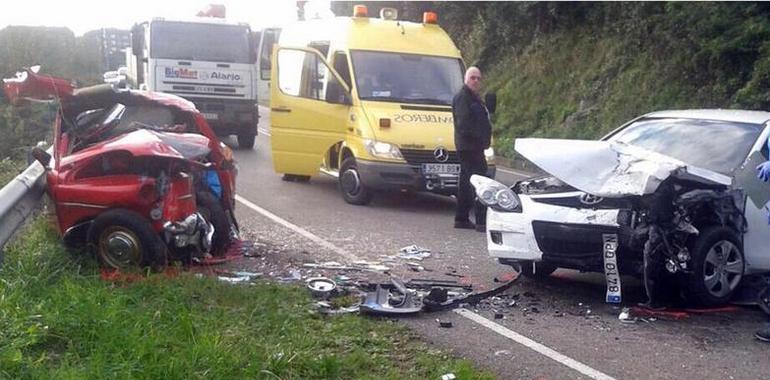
point(369, 101)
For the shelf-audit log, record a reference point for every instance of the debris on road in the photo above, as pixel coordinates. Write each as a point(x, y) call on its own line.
point(382, 302)
point(445, 324)
point(413, 252)
point(321, 287)
point(625, 316)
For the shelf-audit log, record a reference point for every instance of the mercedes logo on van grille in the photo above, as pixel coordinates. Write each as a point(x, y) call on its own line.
point(441, 154)
point(590, 199)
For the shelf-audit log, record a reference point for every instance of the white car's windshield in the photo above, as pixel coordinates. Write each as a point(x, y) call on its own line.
point(406, 78)
point(720, 146)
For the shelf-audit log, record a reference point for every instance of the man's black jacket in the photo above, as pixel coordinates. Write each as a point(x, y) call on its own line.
point(472, 128)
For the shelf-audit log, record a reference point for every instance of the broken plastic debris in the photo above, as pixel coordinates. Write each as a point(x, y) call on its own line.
point(378, 302)
point(294, 275)
point(413, 252)
point(625, 316)
point(502, 352)
point(448, 376)
point(234, 280)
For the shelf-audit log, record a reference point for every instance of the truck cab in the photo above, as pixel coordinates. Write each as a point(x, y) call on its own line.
point(206, 60)
point(368, 101)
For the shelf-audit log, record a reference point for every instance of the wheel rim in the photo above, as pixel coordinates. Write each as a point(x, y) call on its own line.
point(120, 248)
point(723, 268)
point(351, 183)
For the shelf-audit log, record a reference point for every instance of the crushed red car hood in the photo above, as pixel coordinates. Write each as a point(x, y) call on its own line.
point(143, 142)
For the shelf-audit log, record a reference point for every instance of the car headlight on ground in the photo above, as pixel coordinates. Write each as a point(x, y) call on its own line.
point(383, 150)
point(495, 195)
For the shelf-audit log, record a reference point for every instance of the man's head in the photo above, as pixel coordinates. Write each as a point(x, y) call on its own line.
point(473, 79)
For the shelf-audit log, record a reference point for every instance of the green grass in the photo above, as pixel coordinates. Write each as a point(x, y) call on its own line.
point(59, 320)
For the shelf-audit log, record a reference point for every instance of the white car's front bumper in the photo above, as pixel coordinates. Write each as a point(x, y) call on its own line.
point(510, 235)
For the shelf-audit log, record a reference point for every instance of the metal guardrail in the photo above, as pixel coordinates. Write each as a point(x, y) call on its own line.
point(18, 199)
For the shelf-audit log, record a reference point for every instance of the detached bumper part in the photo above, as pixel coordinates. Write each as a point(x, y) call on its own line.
point(193, 230)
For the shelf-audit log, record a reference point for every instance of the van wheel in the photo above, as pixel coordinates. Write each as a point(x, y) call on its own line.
point(246, 140)
point(295, 178)
point(125, 240)
point(214, 213)
point(717, 267)
point(541, 269)
point(353, 190)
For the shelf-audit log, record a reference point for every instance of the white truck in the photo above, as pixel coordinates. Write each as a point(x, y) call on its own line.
point(208, 61)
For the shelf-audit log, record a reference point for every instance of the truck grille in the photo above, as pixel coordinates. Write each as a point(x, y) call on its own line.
point(419, 156)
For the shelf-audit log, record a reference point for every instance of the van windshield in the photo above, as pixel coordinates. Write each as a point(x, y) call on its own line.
point(406, 78)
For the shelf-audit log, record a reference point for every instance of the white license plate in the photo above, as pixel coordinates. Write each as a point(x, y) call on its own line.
point(210, 116)
point(440, 169)
point(611, 271)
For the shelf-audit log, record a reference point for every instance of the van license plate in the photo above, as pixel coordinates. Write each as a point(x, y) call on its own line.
point(210, 116)
point(440, 169)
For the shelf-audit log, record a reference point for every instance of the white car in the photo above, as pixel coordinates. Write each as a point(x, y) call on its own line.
point(671, 197)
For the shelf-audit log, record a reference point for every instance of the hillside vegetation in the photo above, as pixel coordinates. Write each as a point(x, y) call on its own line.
point(578, 70)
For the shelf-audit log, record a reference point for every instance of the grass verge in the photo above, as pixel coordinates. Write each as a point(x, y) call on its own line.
point(59, 320)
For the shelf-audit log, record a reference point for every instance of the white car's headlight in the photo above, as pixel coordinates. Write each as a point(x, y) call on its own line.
point(383, 150)
point(495, 195)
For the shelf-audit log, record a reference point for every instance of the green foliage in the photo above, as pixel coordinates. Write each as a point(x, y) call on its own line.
point(59, 320)
point(580, 69)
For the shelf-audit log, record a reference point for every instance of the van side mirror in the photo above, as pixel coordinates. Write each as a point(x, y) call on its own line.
point(491, 101)
point(336, 94)
point(41, 156)
point(137, 40)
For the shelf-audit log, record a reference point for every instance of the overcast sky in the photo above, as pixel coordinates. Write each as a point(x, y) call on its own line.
point(81, 15)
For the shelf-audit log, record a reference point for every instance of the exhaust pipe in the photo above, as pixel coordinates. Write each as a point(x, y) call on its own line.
point(430, 185)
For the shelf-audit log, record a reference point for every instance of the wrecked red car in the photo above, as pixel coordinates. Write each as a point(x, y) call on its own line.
point(138, 177)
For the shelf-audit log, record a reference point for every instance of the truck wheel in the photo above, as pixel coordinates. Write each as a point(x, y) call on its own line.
point(246, 140)
point(353, 190)
point(717, 267)
point(541, 270)
point(125, 240)
point(295, 178)
point(211, 210)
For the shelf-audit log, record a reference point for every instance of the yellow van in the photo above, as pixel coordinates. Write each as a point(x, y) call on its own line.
point(368, 101)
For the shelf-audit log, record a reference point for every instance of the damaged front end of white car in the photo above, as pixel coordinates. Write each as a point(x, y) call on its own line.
point(615, 208)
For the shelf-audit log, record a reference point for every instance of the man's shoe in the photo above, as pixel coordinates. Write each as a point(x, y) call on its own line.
point(481, 227)
point(763, 335)
point(464, 224)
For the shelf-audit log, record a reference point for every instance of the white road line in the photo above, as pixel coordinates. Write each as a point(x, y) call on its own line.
point(514, 172)
point(307, 234)
point(539, 348)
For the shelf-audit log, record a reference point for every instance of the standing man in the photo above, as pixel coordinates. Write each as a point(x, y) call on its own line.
point(473, 134)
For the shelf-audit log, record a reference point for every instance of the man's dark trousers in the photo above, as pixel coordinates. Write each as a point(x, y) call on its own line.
point(471, 162)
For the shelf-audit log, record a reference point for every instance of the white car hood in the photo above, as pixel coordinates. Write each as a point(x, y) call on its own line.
point(610, 169)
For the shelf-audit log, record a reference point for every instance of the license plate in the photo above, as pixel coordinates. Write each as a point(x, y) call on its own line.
point(611, 271)
point(440, 169)
point(210, 116)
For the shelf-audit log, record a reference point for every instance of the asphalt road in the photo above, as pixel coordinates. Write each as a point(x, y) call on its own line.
point(557, 328)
